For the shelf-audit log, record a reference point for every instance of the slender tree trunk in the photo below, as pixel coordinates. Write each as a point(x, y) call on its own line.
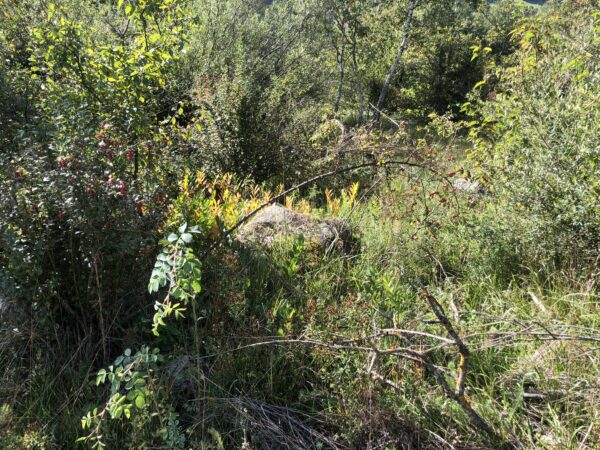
point(397, 61)
point(340, 56)
point(357, 84)
point(136, 163)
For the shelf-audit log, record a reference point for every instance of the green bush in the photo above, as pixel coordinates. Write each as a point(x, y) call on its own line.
point(70, 222)
point(539, 135)
point(83, 178)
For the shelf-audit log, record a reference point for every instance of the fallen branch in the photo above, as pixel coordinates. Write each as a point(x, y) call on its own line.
point(421, 357)
point(458, 394)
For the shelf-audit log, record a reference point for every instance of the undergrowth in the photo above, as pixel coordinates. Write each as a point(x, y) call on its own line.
point(238, 374)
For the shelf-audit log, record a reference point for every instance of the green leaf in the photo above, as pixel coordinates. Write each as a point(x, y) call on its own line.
point(153, 286)
point(51, 9)
point(118, 412)
point(100, 377)
point(196, 286)
point(177, 292)
point(154, 37)
point(140, 402)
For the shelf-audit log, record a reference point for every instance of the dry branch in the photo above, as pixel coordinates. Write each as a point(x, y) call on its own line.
point(458, 394)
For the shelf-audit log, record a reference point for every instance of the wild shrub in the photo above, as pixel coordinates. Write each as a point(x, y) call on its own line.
point(539, 135)
point(72, 220)
point(84, 182)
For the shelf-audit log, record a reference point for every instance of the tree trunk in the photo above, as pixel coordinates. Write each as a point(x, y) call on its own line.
point(397, 61)
point(340, 57)
point(357, 85)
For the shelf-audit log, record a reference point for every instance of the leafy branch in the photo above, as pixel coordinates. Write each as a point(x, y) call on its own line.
point(128, 377)
point(178, 268)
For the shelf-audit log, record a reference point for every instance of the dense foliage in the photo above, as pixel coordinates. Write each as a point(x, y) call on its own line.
point(536, 136)
point(138, 136)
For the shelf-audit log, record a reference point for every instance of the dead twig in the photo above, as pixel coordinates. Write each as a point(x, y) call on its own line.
point(458, 394)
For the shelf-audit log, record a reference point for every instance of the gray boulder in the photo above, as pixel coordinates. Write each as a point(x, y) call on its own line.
point(276, 222)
